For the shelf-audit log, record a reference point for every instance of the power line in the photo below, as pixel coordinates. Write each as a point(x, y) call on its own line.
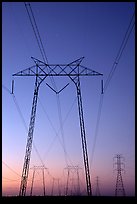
point(52, 80)
point(8, 179)
point(56, 133)
point(10, 168)
point(22, 118)
point(61, 128)
point(19, 111)
point(39, 41)
point(21, 115)
point(41, 47)
point(97, 126)
point(120, 52)
point(38, 37)
point(36, 31)
point(38, 34)
point(24, 123)
point(6, 88)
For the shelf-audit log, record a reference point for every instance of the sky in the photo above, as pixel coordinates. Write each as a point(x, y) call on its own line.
point(69, 30)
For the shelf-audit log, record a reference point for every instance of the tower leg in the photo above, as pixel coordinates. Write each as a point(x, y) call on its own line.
point(43, 181)
point(83, 137)
point(67, 183)
point(25, 171)
point(32, 182)
point(119, 182)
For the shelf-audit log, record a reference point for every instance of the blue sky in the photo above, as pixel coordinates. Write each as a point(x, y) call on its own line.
point(69, 31)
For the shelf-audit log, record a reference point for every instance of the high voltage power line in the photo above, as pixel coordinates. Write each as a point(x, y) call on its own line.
point(112, 71)
point(22, 118)
point(43, 53)
point(56, 133)
point(6, 88)
point(36, 31)
point(120, 52)
point(24, 123)
point(10, 168)
point(8, 179)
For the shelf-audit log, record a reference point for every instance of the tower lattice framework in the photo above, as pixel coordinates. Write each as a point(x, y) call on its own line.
point(41, 71)
point(119, 190)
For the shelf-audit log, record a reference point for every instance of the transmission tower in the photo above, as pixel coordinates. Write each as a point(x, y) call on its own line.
point(34, 169)
point(41, 71)
point(53, 184)
point(97, 187)
point(73, 169)
point(119, 190)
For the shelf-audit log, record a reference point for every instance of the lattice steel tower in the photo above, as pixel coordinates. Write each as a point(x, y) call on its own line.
point(34, 169)
point(119, 190)
point(41, 71)
point(73, 169)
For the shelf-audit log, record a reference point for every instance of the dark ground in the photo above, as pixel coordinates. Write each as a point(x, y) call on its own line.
point(69, 199)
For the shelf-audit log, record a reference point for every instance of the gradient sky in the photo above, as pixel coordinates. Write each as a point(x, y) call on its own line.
point(69, 31)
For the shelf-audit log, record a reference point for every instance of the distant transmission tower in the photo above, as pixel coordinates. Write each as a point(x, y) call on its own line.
point(73, 169)
point(34, 169)
point(53, 185)
point(119, 190)
point(97, 187)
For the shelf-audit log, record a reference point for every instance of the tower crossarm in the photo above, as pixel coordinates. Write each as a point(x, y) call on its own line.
point(42, 69)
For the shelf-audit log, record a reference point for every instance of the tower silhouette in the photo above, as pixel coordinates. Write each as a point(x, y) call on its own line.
point(75, 186)
point(42, 168)
point(119, 190)
point(97, 187)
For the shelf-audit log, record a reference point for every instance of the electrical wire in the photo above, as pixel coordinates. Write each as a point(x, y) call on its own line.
point(56, 133)
point(61, 128)
point(8, 179)
point(97, 127)
point(19, 111)
point(36, 31)
point(113, 69)
point(38, 37)
point(6, 88)
point(23, 121)
point(60, 120)
point(41, 47)
point(120, 52)
point(10, 168)
point(45, 57)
